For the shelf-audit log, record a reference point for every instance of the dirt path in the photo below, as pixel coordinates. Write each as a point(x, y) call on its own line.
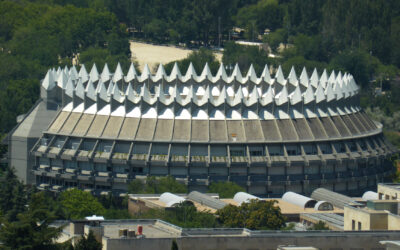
point(155, 54)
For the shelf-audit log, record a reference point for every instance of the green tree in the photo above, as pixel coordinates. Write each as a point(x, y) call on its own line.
point(253, 215)
point(225, 189)
point(78, 204)
point(32, 228)
point(154, 185)
point(88, 243)
point(12, 196)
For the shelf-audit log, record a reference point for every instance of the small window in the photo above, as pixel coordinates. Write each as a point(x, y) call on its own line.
point(359, 226)
point(353, 225)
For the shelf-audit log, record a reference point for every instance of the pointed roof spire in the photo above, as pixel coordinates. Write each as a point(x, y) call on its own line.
point(80, 90)
point(292, 78)
point(117, 94)
point(118, 74)
point(73, 74)
point(90, 90)
point(62, 80)
point(131, 73)
point(319, 94)
point(146, 73)
point(83, 75)
point(330, 95)
point(102, 91)
point(48, 81)
point(191, 72)
point(94, 74)
point(304, 78)
point(206, 73)
point(105, 74)
point(130, 94)
point(175, 72)
point(332, 77)
point(281, 97)
point(69, 89)
point(237, 73)
point(110, 88)
point(279, 76)
point(324, 78)
point(296, 97)
point(265, 74)
point(251, 74)
point(314, 78)
point(309, 95)
point(160, 73)
point(221, 74)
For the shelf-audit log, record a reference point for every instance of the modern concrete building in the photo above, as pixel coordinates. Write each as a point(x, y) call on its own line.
point(269, 134)
point(157, 234)
point(389, 191)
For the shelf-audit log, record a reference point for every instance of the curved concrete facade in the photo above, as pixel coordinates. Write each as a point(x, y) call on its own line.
point(270, 135)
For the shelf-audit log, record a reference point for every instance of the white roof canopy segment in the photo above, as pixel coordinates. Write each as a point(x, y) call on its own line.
point(220, 92)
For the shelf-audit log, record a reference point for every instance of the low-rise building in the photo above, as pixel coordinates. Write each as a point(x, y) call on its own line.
point(389, 191)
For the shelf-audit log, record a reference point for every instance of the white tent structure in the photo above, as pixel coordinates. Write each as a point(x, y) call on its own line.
point(171, 200)
point(370, 195)
point(298, 200)
point(241, 197)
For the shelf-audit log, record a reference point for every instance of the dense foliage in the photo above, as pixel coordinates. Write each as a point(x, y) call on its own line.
point(37, 35)
point(225, 189)
point(154, 185)
point(253, 215)
point(78, 204)
point(184, 215)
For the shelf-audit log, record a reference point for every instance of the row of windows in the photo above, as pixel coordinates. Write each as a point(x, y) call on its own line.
point(218, 150)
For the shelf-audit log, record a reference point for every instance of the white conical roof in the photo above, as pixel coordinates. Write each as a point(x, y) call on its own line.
point(69, 88)
point(117, 94)
point(83, 75)
point(251, 74)
point(323, 79)
point(105, 74)
point(90, 90)
point(237, 74)
point(102, 91)
point(304, 78)
point(191, 72)
point(48, 81)
point(314, 80)
point(80, 90)
point(296, 97)
point(94, 74)
point(319, 94)
point(118, 74)
point(292, 78)
point(221, 74)
point(309, 95)
point(280, 78)
point(73, 74)
point(131, 73)
point(265, 74)
point(62, 80)
point(281, 97)
point(146, 73)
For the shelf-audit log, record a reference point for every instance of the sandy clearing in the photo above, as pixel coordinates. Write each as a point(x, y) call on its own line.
point(156, 54)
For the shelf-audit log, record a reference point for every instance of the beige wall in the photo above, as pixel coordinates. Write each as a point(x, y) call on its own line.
point(271, 241)
point(388, 192)
point(393, 222)
point(367, 219)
